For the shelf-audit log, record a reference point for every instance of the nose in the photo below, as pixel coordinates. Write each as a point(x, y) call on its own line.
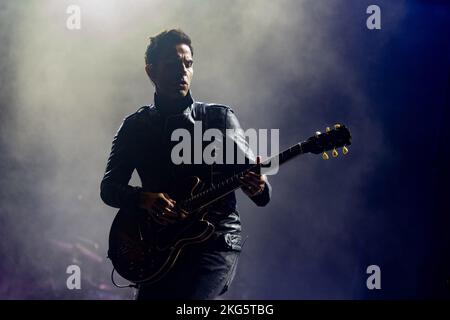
point(180, 67)
point(183, 69)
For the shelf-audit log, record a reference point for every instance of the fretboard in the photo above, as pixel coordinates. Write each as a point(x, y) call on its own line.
point(218, 190)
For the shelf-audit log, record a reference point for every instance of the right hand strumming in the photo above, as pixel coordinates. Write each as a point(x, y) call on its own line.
point(161, 207)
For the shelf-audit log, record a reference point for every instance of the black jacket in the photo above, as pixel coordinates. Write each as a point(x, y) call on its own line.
point(143, 142)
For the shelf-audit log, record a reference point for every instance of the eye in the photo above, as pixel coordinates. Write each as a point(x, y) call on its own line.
point(171, 63)
point(189, 63)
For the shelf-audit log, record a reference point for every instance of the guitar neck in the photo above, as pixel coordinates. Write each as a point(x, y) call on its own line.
point(286, 155)
point(222, 188)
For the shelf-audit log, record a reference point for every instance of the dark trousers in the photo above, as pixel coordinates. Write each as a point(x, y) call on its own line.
point(202, 271)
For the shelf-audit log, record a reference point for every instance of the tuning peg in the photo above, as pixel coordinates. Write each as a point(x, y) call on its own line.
point(317, 133)
point(344, 150)
point(325, 156)
point(334, 153)
point(327, 129)
point(337, 126)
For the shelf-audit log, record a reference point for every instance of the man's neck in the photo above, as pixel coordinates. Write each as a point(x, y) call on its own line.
point(171, 106)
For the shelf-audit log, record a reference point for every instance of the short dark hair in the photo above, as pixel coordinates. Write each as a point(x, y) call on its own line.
point(164, 40)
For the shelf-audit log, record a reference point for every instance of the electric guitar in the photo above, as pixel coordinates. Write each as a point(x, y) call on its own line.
point(141, 250)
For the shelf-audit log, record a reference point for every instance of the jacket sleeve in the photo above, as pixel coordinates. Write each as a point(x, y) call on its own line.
point(243, 148)
point(114, 188)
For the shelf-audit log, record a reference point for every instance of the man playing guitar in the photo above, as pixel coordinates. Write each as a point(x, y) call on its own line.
point(203, 270)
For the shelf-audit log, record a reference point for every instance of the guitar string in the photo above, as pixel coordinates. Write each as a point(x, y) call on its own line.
point(235, 178)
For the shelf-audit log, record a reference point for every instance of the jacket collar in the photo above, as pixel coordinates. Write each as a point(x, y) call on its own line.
point(167, 107)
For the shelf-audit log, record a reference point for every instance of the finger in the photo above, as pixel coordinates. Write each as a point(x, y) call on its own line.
point(254, 179)
point(260, 179)
point(178, 213)
point(166, 197)
point(253, 183)
point(253, 174)
point(172, 214)
point(165, 213)
point(253, 189)
point(165, 205)
point(250, 183)
point(166, 219)
point(183, 213)
point(162, 203)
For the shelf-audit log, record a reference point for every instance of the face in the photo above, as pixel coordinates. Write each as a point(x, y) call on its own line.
point(173, 74)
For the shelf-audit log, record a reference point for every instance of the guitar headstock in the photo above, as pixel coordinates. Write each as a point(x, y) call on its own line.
point(333, 138)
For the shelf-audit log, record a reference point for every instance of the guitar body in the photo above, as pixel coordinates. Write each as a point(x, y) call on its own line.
point(142, 250)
